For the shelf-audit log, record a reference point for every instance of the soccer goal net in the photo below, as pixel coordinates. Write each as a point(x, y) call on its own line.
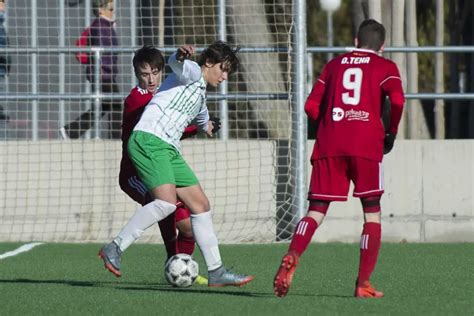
point(64, 187)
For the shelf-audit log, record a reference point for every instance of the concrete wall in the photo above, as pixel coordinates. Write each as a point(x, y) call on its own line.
point(68, 191)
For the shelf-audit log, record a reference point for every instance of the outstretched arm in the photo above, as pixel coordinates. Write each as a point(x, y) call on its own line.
point(184, 52)
point(186, 69)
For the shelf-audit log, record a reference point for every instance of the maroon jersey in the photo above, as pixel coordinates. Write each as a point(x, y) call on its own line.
point(132, 110)
point(346, 102)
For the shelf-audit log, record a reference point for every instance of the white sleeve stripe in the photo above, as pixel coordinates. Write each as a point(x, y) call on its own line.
point(136, 184)
point(321, 81)
point(388, 78)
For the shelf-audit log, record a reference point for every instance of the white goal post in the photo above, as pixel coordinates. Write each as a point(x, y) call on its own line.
point(67, 190)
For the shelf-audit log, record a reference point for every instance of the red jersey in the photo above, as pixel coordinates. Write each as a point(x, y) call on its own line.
point(347, 100)
point(133, 108)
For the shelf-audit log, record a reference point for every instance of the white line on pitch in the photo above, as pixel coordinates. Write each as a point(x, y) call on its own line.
point(19, 250)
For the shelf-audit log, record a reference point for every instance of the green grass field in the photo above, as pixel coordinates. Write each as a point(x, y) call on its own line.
point(66, 279)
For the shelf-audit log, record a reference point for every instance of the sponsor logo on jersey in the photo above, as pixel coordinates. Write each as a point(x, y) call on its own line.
point(360, 115)
point(351, 115)
point(337, 114)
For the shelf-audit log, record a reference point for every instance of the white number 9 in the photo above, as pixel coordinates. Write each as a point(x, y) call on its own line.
point(352, 80)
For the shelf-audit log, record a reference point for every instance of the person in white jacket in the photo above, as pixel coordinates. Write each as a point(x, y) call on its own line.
point(156, 154)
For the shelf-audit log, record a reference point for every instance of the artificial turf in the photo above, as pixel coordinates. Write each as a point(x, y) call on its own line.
point(69, 279)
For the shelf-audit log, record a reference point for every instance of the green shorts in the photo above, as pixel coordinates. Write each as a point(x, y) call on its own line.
point(157, 162)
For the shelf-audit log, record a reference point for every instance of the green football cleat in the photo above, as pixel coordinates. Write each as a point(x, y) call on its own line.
point(201, 280)
point(111, 255)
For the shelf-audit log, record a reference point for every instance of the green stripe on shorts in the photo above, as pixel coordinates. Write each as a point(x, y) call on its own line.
point(158, 162)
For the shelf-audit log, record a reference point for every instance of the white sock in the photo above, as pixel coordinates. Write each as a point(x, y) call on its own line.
point(206, 239)
point(143, 218)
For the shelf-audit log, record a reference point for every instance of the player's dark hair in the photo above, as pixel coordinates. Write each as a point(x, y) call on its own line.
point(220, 52)
point(371, 35)
point(148, 55)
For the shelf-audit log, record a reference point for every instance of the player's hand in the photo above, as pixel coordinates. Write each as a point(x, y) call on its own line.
point(213, 126)
point(184, 52)
point(216, 124)
point(388, 142)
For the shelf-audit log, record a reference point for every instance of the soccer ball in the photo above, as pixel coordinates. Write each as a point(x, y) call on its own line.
point(181, 270)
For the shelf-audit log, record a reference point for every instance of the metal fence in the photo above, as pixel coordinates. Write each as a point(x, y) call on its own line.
point(301, 78)
point(223, 95)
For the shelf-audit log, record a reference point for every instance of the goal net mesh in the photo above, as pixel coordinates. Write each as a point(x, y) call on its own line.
point(66, 190)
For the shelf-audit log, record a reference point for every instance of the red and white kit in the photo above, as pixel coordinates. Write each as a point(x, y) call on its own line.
point(346, 102)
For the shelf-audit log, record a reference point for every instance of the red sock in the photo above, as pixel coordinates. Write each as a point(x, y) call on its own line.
point(185, 244)
point(168, 233)
point(369, 250)
point(304, 231)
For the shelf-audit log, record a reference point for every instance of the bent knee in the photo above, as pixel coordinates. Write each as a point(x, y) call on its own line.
point(200, 206)
point(161, 209)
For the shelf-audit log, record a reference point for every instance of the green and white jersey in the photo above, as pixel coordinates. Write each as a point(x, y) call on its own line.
point(180, 100)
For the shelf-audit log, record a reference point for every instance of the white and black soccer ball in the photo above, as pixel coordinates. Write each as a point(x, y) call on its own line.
point(181, 270)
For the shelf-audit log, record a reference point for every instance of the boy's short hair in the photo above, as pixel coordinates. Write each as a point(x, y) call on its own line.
point(148, 55)
point(220, 52)
point(97, 4)
point(371, 35)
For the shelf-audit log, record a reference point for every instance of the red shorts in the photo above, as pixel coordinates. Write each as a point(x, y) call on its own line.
point(331, 176)
point(136, 189)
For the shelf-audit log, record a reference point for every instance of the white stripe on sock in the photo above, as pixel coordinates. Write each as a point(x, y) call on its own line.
point(301, 229)
point(364, 241)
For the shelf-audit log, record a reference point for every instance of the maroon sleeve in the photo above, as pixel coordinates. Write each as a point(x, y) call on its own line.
point(190, 131)
point(392, 86)
point(313, 102)
point(132, 110)
point(137, 99)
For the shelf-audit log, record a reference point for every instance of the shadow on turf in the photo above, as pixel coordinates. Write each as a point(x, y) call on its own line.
point(196, 289)
point(204, 290)
point(134, 286)
point(68, 282)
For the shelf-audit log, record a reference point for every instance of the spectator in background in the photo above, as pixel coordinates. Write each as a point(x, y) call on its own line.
point(4, 69)
point(102, 33)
